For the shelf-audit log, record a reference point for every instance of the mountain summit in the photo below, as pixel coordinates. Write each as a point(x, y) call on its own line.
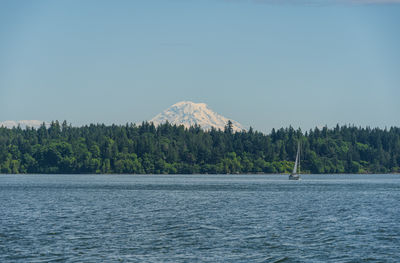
point(188, 113)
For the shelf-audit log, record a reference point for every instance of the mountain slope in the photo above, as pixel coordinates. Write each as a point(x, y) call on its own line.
point(189, 113)
point(22, 123)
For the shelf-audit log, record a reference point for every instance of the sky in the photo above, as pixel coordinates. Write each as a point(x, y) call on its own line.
point(264, 63)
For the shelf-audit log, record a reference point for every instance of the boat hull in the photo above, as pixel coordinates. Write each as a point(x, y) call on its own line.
point(294, 177)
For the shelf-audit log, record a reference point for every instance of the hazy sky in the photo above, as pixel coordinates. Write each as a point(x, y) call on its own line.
point(263, 63)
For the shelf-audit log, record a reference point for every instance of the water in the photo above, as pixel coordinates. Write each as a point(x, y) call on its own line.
point(199, 218)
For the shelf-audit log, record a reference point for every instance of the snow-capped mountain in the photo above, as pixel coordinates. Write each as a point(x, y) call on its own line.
point(22, 123)
point(188, 113)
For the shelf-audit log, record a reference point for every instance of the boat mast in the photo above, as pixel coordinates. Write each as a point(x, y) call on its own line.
point(299, 157)
point(296, 162)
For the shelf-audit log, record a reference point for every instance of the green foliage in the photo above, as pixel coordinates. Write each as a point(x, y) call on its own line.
point(170, 149)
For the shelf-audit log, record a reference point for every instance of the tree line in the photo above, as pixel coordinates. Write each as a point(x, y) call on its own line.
point(172, 149)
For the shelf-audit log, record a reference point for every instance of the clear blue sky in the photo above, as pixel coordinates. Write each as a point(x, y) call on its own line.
point(262, 63)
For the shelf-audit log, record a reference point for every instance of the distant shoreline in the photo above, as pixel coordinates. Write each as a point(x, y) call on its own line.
point(171, 149)
point(206, 174)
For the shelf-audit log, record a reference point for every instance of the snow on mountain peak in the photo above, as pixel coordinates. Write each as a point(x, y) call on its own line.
point(188, 113)
point(22, 123)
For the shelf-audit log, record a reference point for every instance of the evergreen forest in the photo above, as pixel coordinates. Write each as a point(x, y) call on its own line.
point(171, 149)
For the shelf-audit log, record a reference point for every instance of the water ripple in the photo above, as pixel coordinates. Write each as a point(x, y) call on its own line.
point(87, 218)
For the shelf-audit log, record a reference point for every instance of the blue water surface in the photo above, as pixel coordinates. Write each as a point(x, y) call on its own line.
point(199, 218)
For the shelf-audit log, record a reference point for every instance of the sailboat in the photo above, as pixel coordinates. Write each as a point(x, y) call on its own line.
point(295, 175)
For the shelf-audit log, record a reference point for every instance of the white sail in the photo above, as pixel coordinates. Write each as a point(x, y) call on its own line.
point(297, 162)
point(295, 174)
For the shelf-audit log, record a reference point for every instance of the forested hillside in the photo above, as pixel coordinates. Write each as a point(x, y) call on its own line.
point(145, 148)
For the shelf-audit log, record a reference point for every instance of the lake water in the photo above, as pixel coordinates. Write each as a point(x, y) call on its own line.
point(199, 218)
